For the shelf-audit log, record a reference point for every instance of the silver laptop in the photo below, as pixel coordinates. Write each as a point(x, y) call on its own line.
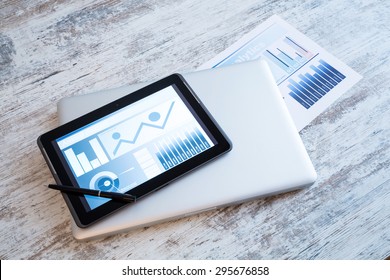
point(268, 156)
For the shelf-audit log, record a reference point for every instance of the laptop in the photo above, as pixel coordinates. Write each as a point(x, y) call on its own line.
point(268, 156)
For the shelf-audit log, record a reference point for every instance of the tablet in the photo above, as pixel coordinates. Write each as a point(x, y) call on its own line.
point(135, 145)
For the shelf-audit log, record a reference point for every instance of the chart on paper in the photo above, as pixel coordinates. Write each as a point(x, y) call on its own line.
point(309, 78)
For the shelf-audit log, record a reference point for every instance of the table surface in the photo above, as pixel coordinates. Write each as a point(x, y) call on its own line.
point(53, 49)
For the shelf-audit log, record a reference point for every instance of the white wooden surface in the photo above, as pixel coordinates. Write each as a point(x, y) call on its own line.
point(52, 49)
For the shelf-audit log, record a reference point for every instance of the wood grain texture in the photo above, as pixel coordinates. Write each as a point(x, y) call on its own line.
point(52, 49)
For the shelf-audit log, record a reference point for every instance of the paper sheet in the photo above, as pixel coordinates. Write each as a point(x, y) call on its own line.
point(309, 78)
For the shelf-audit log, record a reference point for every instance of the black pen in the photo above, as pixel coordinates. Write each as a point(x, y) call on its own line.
point(123, 197)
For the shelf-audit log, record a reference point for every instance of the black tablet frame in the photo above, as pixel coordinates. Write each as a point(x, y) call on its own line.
point(63, 174)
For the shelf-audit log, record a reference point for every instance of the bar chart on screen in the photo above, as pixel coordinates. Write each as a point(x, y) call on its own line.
point(81, 163)
point(182, 145)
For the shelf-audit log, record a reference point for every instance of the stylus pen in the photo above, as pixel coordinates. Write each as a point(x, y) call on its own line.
point(123, 197)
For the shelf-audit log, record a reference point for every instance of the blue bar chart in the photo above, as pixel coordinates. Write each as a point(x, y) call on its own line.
point(313, 85)
point(174, 149)
point(80, 162)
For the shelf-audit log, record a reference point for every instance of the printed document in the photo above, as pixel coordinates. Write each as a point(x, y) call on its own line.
point(309, 78)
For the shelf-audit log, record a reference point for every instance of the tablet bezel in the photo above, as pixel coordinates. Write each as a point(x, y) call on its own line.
point(63, 174)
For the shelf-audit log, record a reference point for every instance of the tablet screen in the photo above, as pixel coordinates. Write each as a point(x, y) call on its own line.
point(134, 144)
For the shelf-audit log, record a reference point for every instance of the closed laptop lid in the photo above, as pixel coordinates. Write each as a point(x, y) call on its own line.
point(268, 156)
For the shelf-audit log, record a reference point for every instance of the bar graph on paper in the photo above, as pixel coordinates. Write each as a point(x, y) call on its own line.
point(287, 57)
point(309, 78)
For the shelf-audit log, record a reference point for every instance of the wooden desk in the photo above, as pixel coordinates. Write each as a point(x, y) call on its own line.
point(52, 49)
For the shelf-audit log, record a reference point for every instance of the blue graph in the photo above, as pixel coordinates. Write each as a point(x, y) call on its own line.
point(154, 116)
point(175, 149)
point(312, 87)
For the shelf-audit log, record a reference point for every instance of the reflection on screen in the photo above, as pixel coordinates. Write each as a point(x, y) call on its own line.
point(134, 144)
